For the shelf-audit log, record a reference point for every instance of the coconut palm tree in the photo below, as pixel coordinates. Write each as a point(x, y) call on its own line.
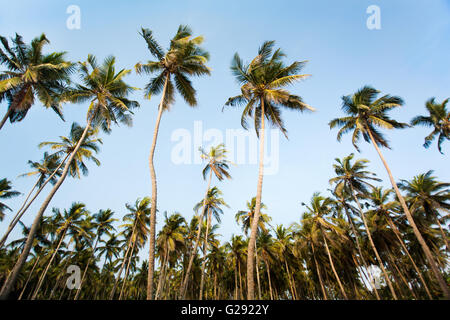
point(6, 193)
point(438, 119)
point(263, 95)
point(217, 163)
point(107, 93)
point(31, 74)
point(184, 58)
point(365, 112)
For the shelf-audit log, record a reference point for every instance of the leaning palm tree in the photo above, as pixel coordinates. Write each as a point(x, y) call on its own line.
point(217, 163)
point(183, 59)
point(107, 93)
point(364, 113)
point(31, 74)
point(6, 193)
point(263, 94)
point(438, 119)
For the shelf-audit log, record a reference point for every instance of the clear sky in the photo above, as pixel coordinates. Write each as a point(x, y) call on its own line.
point(408, 57)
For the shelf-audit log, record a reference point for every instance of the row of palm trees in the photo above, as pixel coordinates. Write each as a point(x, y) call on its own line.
point(32, 75)
point(331, 252)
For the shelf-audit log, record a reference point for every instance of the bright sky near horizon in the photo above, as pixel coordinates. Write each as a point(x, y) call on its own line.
point(408, 57)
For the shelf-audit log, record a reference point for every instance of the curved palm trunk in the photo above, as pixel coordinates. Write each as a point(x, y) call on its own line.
point(151, 257)
point(397, 234)
point(372, 244)
point(252, 241)
point(41, 279)
point(10, 282)
point(125, 278)
point(8, 113)
point(355, 233)
point(332, 265)
point(86, 269)
point(443, 285)
point(197, 241)
point(28, 279)
point(205, 249)
point(318, 273)
point(25, 206)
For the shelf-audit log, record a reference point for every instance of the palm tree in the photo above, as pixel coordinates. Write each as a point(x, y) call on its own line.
point(263, 94)
point(183, 59)
point(217, 163)
point(365, 113)
point(6, 193)
point(425, 192)
point(236, 246)
point(108, 103)
point(103, 224)
point(31, 74)
point(438, 119)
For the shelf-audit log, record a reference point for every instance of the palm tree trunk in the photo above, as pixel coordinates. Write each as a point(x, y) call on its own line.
point(268, 277)
point(86, 269)
point(151, 257)
point(29, 277)
point(41, 279)
point(252, 241)
point(291, 287)
point(197, 241)
point(444, 237)
point(21, 212)
point(425, 248)
point(235, 281)
point(258, 279)
point(332, 265)
point(318, 272)
point(205, 249)
point(125, 278)
point(397, 234)
point(10, 282)
point(369, 235)
point(241, 296)
point(8, 113)
point(162, 271)
point(60, 277)
point(355, 233)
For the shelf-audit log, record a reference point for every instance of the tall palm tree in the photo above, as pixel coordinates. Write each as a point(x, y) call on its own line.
point(438, 119)
point(6, 193)
point(183, 59)
point(217, 163)
point(364, 114)
point(263, 94)
point(107, 93)
point(425, 192)
point(31, 74)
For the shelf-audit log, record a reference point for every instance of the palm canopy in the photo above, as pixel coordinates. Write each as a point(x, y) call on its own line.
point(29, 74)
point(184, 58)
point(45, 168)
point(438, 119)
point(262, 86)
point(365, 113)
point(137, 220)
point(171, 238)
point(106, 91)
point(212, 203)
point(217, 162)
point(246, 217)
point(6, 193)
point(350, 175)
point(67, 145)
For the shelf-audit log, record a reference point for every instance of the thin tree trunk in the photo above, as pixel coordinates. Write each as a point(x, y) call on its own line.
point(162, 271)
point(268, 277)
point(332, 265)
point(151, 258)
point(444, 237)
point(21, 212)
point(289, 280)
point(29, 277)
point(205, 249)
point(41, 279)
point(369, 235)
point(194, 250)
point(127, 270)
point(258, 279)
point(86, 269)
point(241, 296)
point(252, 241)
point(8, 113)
point(318, 273)
point(426, 249)
point(60, 276)
point(10, 282)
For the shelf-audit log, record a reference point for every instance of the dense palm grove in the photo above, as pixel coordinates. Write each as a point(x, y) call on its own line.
point(355, 240)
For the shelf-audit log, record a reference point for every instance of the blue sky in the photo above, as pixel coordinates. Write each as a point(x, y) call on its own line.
point(407, 57)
